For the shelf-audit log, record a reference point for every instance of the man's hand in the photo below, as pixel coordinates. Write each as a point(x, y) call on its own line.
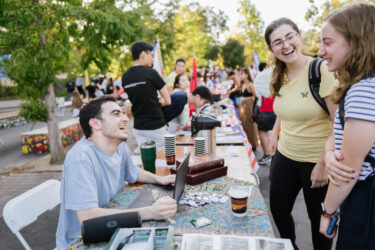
point(337, 172)
point(163, 208)
point(319, 176)
point(324, 224)
point(161, 101)
point(167, 180)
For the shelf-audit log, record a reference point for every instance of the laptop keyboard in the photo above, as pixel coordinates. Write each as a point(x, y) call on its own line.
point(148, 196)
point(158, 193)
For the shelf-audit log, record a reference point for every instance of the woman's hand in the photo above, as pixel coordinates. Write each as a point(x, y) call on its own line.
point(324, 224)
point(273, 143)
point(319, 176)
point(337, 172)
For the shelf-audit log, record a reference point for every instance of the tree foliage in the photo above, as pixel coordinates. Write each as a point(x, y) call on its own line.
point(253, 26)
point(213, 53)
point(40, 36)
point(315, 15)
point(233, 54)
point(196, 29)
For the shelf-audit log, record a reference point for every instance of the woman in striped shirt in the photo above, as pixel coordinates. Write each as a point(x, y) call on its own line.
point(348, 45)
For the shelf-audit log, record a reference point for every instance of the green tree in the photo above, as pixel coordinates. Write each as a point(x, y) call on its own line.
point(233, 54)
point(196, 30)
point(213, 53)
point(253, 26)
point(315, 15)
point(40, 34)
point(159, 18)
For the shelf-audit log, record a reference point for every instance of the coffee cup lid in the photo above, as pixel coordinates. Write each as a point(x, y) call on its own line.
point(148, 144)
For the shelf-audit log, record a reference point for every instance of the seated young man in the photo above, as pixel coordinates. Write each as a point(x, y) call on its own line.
point(96, 168)
point(201, 98)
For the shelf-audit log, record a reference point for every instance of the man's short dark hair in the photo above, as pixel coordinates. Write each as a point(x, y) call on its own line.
point(204, 93)
point(138, 47)
point(93, 109)
point(261, 66)
point(230, 73)
point(180, 60)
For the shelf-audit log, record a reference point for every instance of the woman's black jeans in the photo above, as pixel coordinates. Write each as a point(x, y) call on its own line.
point(287, 177)
point(357, 218)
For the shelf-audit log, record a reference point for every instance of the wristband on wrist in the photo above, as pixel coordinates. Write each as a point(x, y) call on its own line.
point(324, 212)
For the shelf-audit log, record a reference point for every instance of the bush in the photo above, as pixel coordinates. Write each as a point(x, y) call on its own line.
point(8, 91)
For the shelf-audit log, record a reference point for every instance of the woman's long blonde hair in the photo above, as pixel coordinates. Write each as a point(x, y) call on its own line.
point(356, 22)
point(279, 70)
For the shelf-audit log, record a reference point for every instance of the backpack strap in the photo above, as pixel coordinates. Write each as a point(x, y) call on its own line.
point(314, 82)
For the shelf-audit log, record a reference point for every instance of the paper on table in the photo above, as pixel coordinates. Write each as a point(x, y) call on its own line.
point(193, 241)
point(224, 130)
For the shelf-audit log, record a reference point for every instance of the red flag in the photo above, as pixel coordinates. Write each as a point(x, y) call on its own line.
point(193, 83)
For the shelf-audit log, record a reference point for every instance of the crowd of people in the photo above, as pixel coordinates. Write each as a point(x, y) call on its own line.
point(309, 146)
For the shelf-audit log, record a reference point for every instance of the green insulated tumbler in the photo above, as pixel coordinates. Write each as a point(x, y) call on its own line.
point(148, 155)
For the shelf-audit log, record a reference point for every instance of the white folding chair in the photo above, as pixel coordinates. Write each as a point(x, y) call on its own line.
point(25, 208)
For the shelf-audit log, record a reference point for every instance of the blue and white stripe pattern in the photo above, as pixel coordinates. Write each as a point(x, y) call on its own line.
point(360, 105)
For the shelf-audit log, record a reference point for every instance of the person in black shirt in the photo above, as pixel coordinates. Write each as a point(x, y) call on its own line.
point(142, 84)
point(70, 86)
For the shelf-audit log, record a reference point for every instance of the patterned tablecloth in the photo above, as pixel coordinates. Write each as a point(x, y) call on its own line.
point(255, 223)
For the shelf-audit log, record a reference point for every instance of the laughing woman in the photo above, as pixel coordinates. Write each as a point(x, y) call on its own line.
point(348, 45)
point(299, 134)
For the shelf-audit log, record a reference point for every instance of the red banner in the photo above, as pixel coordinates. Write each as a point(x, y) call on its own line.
point(193, 83)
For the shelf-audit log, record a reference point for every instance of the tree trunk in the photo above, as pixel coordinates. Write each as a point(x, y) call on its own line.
point(55, 144)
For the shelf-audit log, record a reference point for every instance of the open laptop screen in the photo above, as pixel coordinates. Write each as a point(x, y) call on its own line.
point(181, 178)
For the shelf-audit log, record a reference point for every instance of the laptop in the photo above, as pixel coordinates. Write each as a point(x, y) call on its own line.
point(148, 196)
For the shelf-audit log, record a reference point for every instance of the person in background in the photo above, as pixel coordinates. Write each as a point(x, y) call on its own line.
point(118, 82)
point(223, 75)
point(142, 84)
point(245, 108)
point(110, 87)
point(178, 69)
point(234, 92)
point(181, 83)
point(253, 71)
point(80, 81)
point(76, 103)
point(201, 98)
point(200, 79)
point(90, 92)
point(348, 46)
point(266, 117)
point(301, 129)
point(98, 91)
point(103, 82)
point(70, 86)
point(228, 83)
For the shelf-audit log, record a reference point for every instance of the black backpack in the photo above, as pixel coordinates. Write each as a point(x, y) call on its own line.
point(314, 82)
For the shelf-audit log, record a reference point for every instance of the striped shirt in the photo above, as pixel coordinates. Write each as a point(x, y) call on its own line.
point(360, 105)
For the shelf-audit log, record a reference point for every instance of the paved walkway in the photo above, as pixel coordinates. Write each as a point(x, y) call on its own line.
point(10, 104)
point(15, 184)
